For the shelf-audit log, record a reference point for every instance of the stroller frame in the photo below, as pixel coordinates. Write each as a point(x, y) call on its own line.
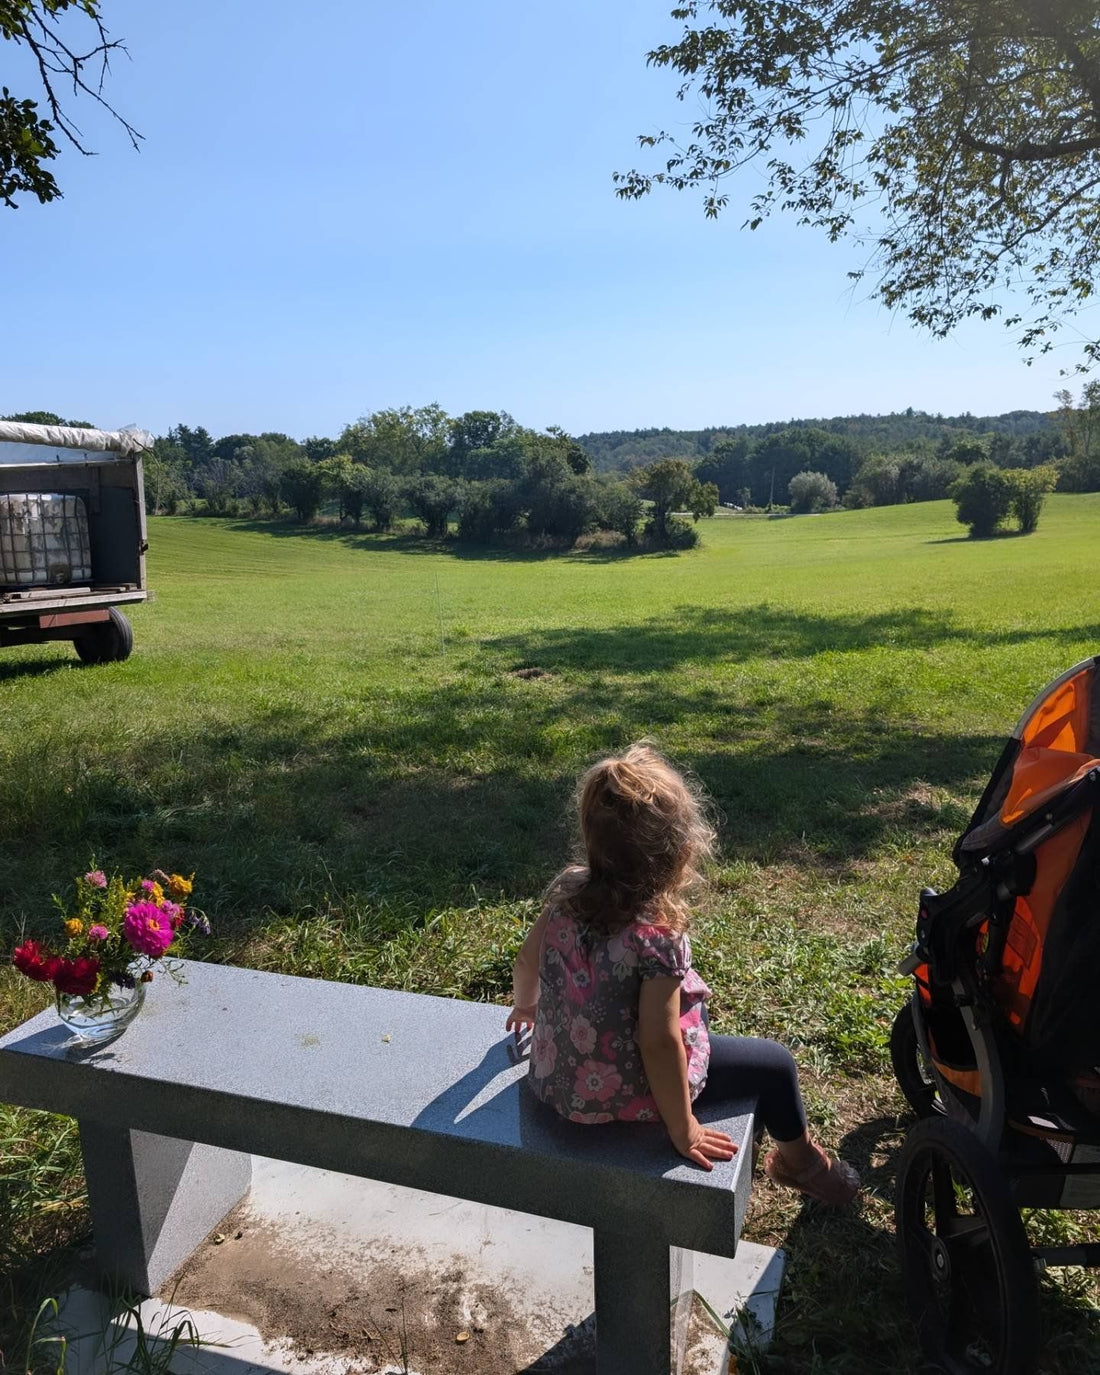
point(992, 1128)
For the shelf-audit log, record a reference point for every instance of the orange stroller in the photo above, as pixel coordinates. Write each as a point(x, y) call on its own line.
point(998, 1050)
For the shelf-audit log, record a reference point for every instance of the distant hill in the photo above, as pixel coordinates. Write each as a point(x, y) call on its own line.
point(904, 430)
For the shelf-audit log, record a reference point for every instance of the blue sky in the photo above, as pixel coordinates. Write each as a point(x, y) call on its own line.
point(339, 207)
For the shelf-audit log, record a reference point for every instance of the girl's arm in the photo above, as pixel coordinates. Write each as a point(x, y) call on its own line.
point(525, 979)
point(665, 1062)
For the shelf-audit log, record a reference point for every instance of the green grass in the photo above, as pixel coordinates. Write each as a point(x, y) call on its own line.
point(362, 801)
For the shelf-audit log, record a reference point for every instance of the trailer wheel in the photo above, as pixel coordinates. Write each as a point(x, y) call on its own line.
point(106, 642)
point(969, 1276)
point(914, 1077)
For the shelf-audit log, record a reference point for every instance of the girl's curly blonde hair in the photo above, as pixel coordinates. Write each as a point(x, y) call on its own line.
point(644, 832)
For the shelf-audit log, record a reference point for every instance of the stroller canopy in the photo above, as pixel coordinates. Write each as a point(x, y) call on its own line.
point(1047, 983)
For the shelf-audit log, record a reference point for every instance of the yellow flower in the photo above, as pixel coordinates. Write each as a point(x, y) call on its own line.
point(74, 927)
point(157, 893)
point(180, 887)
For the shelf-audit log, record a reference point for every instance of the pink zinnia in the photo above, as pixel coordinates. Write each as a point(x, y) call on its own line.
point(98, 933)
point(148, 929)
point(97, 878)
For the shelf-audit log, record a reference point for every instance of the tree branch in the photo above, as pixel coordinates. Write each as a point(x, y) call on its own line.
point(1026, 151)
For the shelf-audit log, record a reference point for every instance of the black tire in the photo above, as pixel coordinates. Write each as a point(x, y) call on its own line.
point(106, 642)
point(969, 1276)
point(914, 1078)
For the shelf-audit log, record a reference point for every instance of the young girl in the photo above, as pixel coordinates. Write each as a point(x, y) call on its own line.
point(618, 1014)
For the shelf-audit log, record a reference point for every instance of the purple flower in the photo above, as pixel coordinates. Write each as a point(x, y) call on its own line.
point(198, 923)
point(96, 877)
point(98, 933)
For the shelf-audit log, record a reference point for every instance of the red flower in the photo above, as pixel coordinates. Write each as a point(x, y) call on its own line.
point(33, 959)
point(78, 977)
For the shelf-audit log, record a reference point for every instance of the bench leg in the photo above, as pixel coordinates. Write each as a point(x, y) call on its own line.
point(642, 1305)
point(153, 1199)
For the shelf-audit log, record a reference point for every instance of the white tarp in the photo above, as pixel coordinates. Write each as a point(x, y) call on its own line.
point(128, 443)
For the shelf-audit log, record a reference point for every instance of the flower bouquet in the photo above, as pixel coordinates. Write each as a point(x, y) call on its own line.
point(116, 933)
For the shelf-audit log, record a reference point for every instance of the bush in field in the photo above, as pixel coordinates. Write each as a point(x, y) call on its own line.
point(433, 498)
point(811, 492)
point(621, 509)
point(1079, 472)
point(679, 534)
point(381, 496)
point(1029, 491)
point(303, 485)
point(983, 497)
point(489, 509)
point(347, 482)
point(671, 486)
point(560, 502)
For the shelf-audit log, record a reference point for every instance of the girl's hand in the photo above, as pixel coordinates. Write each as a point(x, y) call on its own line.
point(703, 1145)
point(520, 1019)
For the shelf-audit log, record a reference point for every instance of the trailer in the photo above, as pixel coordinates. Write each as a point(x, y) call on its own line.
point(72, 536)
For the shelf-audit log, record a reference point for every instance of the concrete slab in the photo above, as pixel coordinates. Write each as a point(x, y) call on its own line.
point(319, 1273)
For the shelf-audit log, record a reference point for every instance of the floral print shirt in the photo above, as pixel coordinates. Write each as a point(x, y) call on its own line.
point(585, 1060)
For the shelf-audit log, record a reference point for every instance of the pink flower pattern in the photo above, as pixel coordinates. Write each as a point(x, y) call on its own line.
point(583, 1035)
point(585, 1060)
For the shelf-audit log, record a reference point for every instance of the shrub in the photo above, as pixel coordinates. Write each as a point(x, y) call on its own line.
point(1079, 472)
point(302, 485)
point(621, 509)
point(488, 509)
point(678, 534)
point(381, 496)
point(811, 491)
point(433, 498)
point(983, 498)
point(671, 486)
point(1029, 491)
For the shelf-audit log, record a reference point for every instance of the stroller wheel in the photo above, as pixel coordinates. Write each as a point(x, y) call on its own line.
point(969, 1278)
point(913, 1076)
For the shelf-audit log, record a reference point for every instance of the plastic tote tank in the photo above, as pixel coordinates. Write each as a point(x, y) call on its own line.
point(44, 540)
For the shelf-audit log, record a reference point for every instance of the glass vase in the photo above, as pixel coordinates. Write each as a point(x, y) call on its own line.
point(104, 1016)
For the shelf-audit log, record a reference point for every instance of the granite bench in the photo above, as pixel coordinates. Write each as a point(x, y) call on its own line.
point(398, 1087)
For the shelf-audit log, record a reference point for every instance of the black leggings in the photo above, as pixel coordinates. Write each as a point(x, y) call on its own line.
point(748, 1067)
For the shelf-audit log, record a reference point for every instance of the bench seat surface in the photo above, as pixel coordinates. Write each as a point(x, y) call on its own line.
point(400, 1087)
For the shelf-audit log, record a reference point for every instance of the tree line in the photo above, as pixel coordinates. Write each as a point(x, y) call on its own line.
point(480, 475)
point(485, 476)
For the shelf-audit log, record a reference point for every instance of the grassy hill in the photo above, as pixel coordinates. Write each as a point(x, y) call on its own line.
point(334, 731)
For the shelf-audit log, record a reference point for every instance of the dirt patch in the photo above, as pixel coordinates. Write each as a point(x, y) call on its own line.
point(530, 672)
point(380, 1307)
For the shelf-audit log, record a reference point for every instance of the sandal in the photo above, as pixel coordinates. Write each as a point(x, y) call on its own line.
point(827, 1180)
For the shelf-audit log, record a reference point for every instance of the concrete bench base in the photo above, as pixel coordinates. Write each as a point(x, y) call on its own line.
point(153, 1199)
point(497, 1272)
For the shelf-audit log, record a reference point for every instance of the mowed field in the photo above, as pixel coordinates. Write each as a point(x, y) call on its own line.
point(366, 746)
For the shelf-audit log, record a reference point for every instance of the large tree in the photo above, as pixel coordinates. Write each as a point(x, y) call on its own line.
point(67, 62)
point(960, 137)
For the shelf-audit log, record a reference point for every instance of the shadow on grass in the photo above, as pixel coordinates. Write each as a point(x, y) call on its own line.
point(981, 539)
point(34, 668)
point(706, 635)
point(408, 542)
point(446, 793)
